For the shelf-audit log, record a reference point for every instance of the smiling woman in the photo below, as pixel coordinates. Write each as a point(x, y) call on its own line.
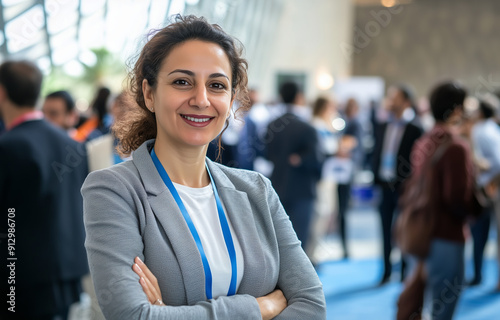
point(172, 235)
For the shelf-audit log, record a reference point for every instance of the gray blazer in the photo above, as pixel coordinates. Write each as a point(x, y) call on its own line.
point(129, 212)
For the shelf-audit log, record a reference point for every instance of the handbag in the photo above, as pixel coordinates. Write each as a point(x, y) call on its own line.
point(415, 225)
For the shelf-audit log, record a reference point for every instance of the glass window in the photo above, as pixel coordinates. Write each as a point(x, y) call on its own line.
point(44, 64)
point(64, 38)
point(12, 11)
point(34, 51)
point(8, 3)
point(177, 6)
point(89, 7)
point(74, 68)
point(220, 10)
point(61, 16)
point(26, 29)
point(64, 54)
point(157, 13)
point(92, 31)
point(125, 25)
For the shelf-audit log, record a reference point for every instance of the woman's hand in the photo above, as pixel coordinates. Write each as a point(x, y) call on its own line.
point(272, 304)
point(148, 282)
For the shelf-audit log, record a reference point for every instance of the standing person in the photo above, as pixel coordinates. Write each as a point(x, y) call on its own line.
point(293, 147)
point(59, 109)
point(251, 145)
point(100, 122)
point(41, 172)
point(453, 202)
point(173, 235)
point(324, 110)
point(351, 150)
point(391, 162)
point(486, 141)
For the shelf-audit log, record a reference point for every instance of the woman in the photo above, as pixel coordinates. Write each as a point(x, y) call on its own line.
point(324, 110)
point(215, 241)
point(99, 124)
point(453, 203)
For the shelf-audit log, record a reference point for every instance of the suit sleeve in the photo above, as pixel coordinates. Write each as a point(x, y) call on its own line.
point(312, 159)
point(114, 240)
point(297, 278)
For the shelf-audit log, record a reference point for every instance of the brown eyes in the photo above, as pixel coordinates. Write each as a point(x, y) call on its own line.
point(215, 85)
point(219, 86)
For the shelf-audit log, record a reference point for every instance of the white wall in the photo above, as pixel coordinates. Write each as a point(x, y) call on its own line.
point(307, 39)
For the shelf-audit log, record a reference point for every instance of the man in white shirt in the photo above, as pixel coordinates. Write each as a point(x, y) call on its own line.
point(391, 162)
point(486, 143)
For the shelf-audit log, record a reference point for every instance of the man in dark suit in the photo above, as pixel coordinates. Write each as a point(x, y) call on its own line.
point(391, 162)
point(41, 232)
point(292, 147)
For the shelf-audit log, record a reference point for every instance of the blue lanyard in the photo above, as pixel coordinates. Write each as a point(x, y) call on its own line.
point(223, 223)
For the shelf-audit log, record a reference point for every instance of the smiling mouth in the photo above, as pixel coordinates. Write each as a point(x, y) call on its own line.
point(204, 119)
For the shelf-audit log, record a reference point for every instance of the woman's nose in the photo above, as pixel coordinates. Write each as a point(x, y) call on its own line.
point(200, 98)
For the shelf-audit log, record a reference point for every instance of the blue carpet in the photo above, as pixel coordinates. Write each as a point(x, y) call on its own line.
point(352, 293)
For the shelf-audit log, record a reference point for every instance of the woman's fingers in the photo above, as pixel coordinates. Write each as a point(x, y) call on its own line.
point(148, 282)
point(147, 290)
point(146, 285)
point(146, 270)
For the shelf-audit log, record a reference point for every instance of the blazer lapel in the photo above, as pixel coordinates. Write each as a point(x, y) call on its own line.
point(239, 212)
point(172, 221)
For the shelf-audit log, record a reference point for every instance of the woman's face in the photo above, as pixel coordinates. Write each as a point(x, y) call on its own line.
point(192, 98)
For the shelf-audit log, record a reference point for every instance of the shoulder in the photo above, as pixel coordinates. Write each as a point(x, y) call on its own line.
point(121, 176)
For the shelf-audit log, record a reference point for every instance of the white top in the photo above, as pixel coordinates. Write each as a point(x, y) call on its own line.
point(202, 208)
point(486, 141)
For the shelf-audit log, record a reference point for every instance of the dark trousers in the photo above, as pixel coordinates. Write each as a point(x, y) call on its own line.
point(387, 211)
point(480, 230)
point(300, 212)
point(344, 195)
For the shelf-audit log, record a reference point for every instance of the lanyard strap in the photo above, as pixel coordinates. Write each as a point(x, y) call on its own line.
point(223, 222)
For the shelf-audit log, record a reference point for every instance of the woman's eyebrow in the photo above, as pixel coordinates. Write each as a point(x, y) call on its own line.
point(191, 73)
point(188, 72)
point(218, 74)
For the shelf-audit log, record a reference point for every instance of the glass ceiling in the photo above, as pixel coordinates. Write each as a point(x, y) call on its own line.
point(62, 32)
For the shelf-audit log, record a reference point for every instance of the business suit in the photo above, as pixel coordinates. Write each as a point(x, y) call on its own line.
point(130, 212)
point(41, 173)
point(390, 189)
point(295, 185)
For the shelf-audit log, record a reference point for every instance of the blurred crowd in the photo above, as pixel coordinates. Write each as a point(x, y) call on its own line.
point(312, 152)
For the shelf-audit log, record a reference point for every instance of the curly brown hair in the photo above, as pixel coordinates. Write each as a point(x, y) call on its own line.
point(140, 124)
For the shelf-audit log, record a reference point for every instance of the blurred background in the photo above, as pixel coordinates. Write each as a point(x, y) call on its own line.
point(345, 50)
